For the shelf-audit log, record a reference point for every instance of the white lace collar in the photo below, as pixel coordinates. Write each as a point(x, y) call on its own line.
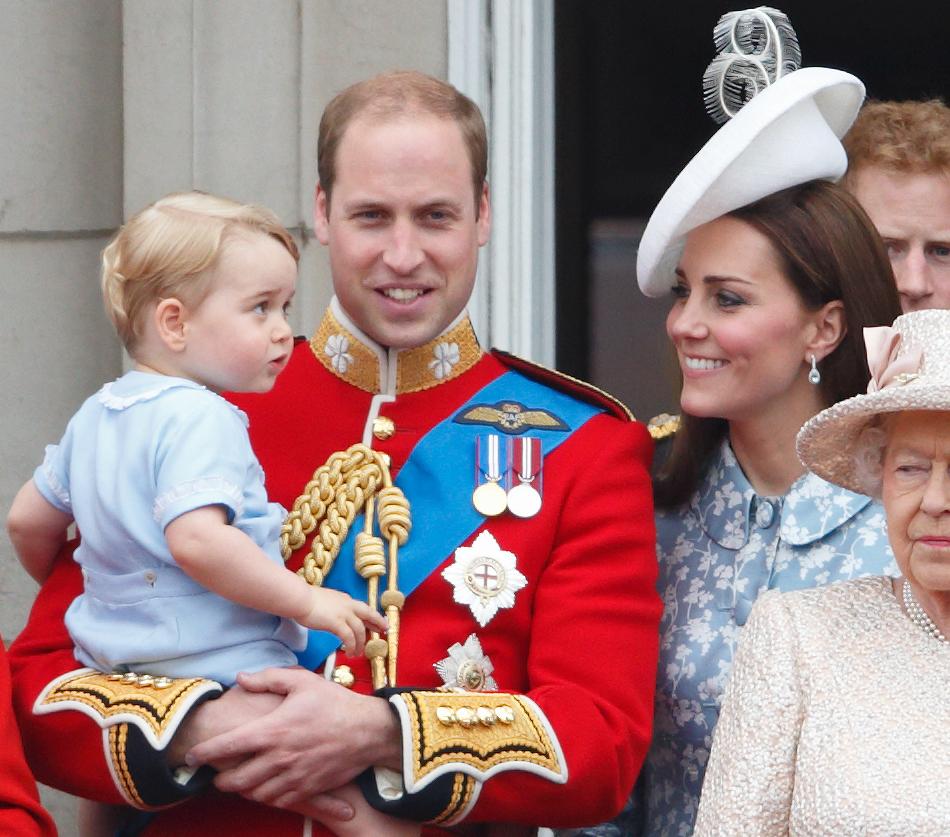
point(135, 387)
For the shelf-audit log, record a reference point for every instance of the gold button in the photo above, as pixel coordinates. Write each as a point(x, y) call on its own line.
point(343, 676)
point(383, 427)
point(505, 714)
point(465, 715)
point(445, 715)
point(485, 716)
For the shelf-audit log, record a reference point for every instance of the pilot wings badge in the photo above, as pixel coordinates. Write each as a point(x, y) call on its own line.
point(511, 417)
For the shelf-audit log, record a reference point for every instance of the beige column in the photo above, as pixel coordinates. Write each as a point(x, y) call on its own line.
point(60, 199)
point(108, 105)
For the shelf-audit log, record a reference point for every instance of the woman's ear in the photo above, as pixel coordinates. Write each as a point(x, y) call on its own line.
point(170, 319)
point(830, 329)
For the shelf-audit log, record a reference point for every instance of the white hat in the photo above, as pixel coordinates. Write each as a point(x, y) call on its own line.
point(786, 135)
point(910, 370)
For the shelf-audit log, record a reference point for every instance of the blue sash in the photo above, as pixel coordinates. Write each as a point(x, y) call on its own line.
point(437, 478)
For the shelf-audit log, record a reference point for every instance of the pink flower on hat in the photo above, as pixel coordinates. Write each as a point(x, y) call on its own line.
point(883, 344)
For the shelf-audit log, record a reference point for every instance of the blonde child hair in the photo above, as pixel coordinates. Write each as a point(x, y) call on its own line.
point(170, 248)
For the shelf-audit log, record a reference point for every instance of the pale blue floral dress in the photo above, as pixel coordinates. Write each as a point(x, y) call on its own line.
point(716, 558)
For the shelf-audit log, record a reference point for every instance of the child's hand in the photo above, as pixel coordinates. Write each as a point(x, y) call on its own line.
point(344, 616)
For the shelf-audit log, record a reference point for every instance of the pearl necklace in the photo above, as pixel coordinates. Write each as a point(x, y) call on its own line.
point(919, 616)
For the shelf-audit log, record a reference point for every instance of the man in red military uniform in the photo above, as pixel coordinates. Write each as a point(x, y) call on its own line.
point(515, 682)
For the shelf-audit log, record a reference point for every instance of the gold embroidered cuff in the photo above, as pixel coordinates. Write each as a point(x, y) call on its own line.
point(465, 791)
point(476, 733)
point(155, 705)
point(138, 715)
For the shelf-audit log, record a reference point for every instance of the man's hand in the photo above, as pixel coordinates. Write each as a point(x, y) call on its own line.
point(319, 737)
point(212, 718)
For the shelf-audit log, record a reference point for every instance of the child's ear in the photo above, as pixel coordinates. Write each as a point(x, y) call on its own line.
point(170, 318)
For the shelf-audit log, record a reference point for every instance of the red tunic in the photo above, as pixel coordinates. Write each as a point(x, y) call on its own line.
point(20, 811)
point(580, 640)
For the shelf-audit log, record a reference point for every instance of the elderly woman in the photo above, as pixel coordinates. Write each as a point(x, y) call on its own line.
point(837, 714)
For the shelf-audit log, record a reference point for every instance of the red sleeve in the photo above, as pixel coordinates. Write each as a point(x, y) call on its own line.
point(20, 809)
point(42, 652)
point(594, 637)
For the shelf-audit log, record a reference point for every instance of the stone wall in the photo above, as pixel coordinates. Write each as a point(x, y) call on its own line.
point(108, 105)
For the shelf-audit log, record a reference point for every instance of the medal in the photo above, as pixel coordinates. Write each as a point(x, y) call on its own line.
point(489, 497)
point(524, 498)
point(467, 667)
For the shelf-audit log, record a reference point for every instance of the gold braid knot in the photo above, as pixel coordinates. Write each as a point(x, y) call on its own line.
point(348, 482)
point(331, 500)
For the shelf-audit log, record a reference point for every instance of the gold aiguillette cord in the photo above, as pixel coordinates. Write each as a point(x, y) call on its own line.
point(353, 480)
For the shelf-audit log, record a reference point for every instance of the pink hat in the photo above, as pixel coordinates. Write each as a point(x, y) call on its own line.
point(910, 370)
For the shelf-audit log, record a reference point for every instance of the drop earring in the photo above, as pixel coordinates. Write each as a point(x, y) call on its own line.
point(814, 377)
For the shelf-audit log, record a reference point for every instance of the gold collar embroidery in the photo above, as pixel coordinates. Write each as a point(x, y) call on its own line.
point(349, 355)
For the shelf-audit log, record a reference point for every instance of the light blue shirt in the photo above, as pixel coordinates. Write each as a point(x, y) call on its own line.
point(716, 557)
point(142, 451)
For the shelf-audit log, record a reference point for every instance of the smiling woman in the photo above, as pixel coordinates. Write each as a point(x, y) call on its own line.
point(795, 275)
point(741, 330)
point(759, 292)
point(774, 272)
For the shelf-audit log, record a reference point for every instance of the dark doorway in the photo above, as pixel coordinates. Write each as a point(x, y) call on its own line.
point(630, 115)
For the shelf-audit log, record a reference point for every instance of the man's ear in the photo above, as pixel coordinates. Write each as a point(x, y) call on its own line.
point(830, 329)
point(321, 215)
point(484, 216)
point(170, 320)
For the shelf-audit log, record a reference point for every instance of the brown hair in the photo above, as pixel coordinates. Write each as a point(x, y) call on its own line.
point(401, 93)
point(829, 250)
point(170, 249)
point(909, 137)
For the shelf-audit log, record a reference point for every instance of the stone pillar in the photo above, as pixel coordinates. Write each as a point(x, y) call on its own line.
point(107, 106)
point(60, 200)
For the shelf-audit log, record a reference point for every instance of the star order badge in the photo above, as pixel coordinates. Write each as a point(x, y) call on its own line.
point(484, 577)
point(467, 667)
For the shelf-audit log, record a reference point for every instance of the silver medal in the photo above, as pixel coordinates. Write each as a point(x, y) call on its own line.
point(524, 500)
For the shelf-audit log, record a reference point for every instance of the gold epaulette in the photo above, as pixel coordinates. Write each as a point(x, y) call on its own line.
point(663, 426)
point(562, 381)
point(476, 734)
